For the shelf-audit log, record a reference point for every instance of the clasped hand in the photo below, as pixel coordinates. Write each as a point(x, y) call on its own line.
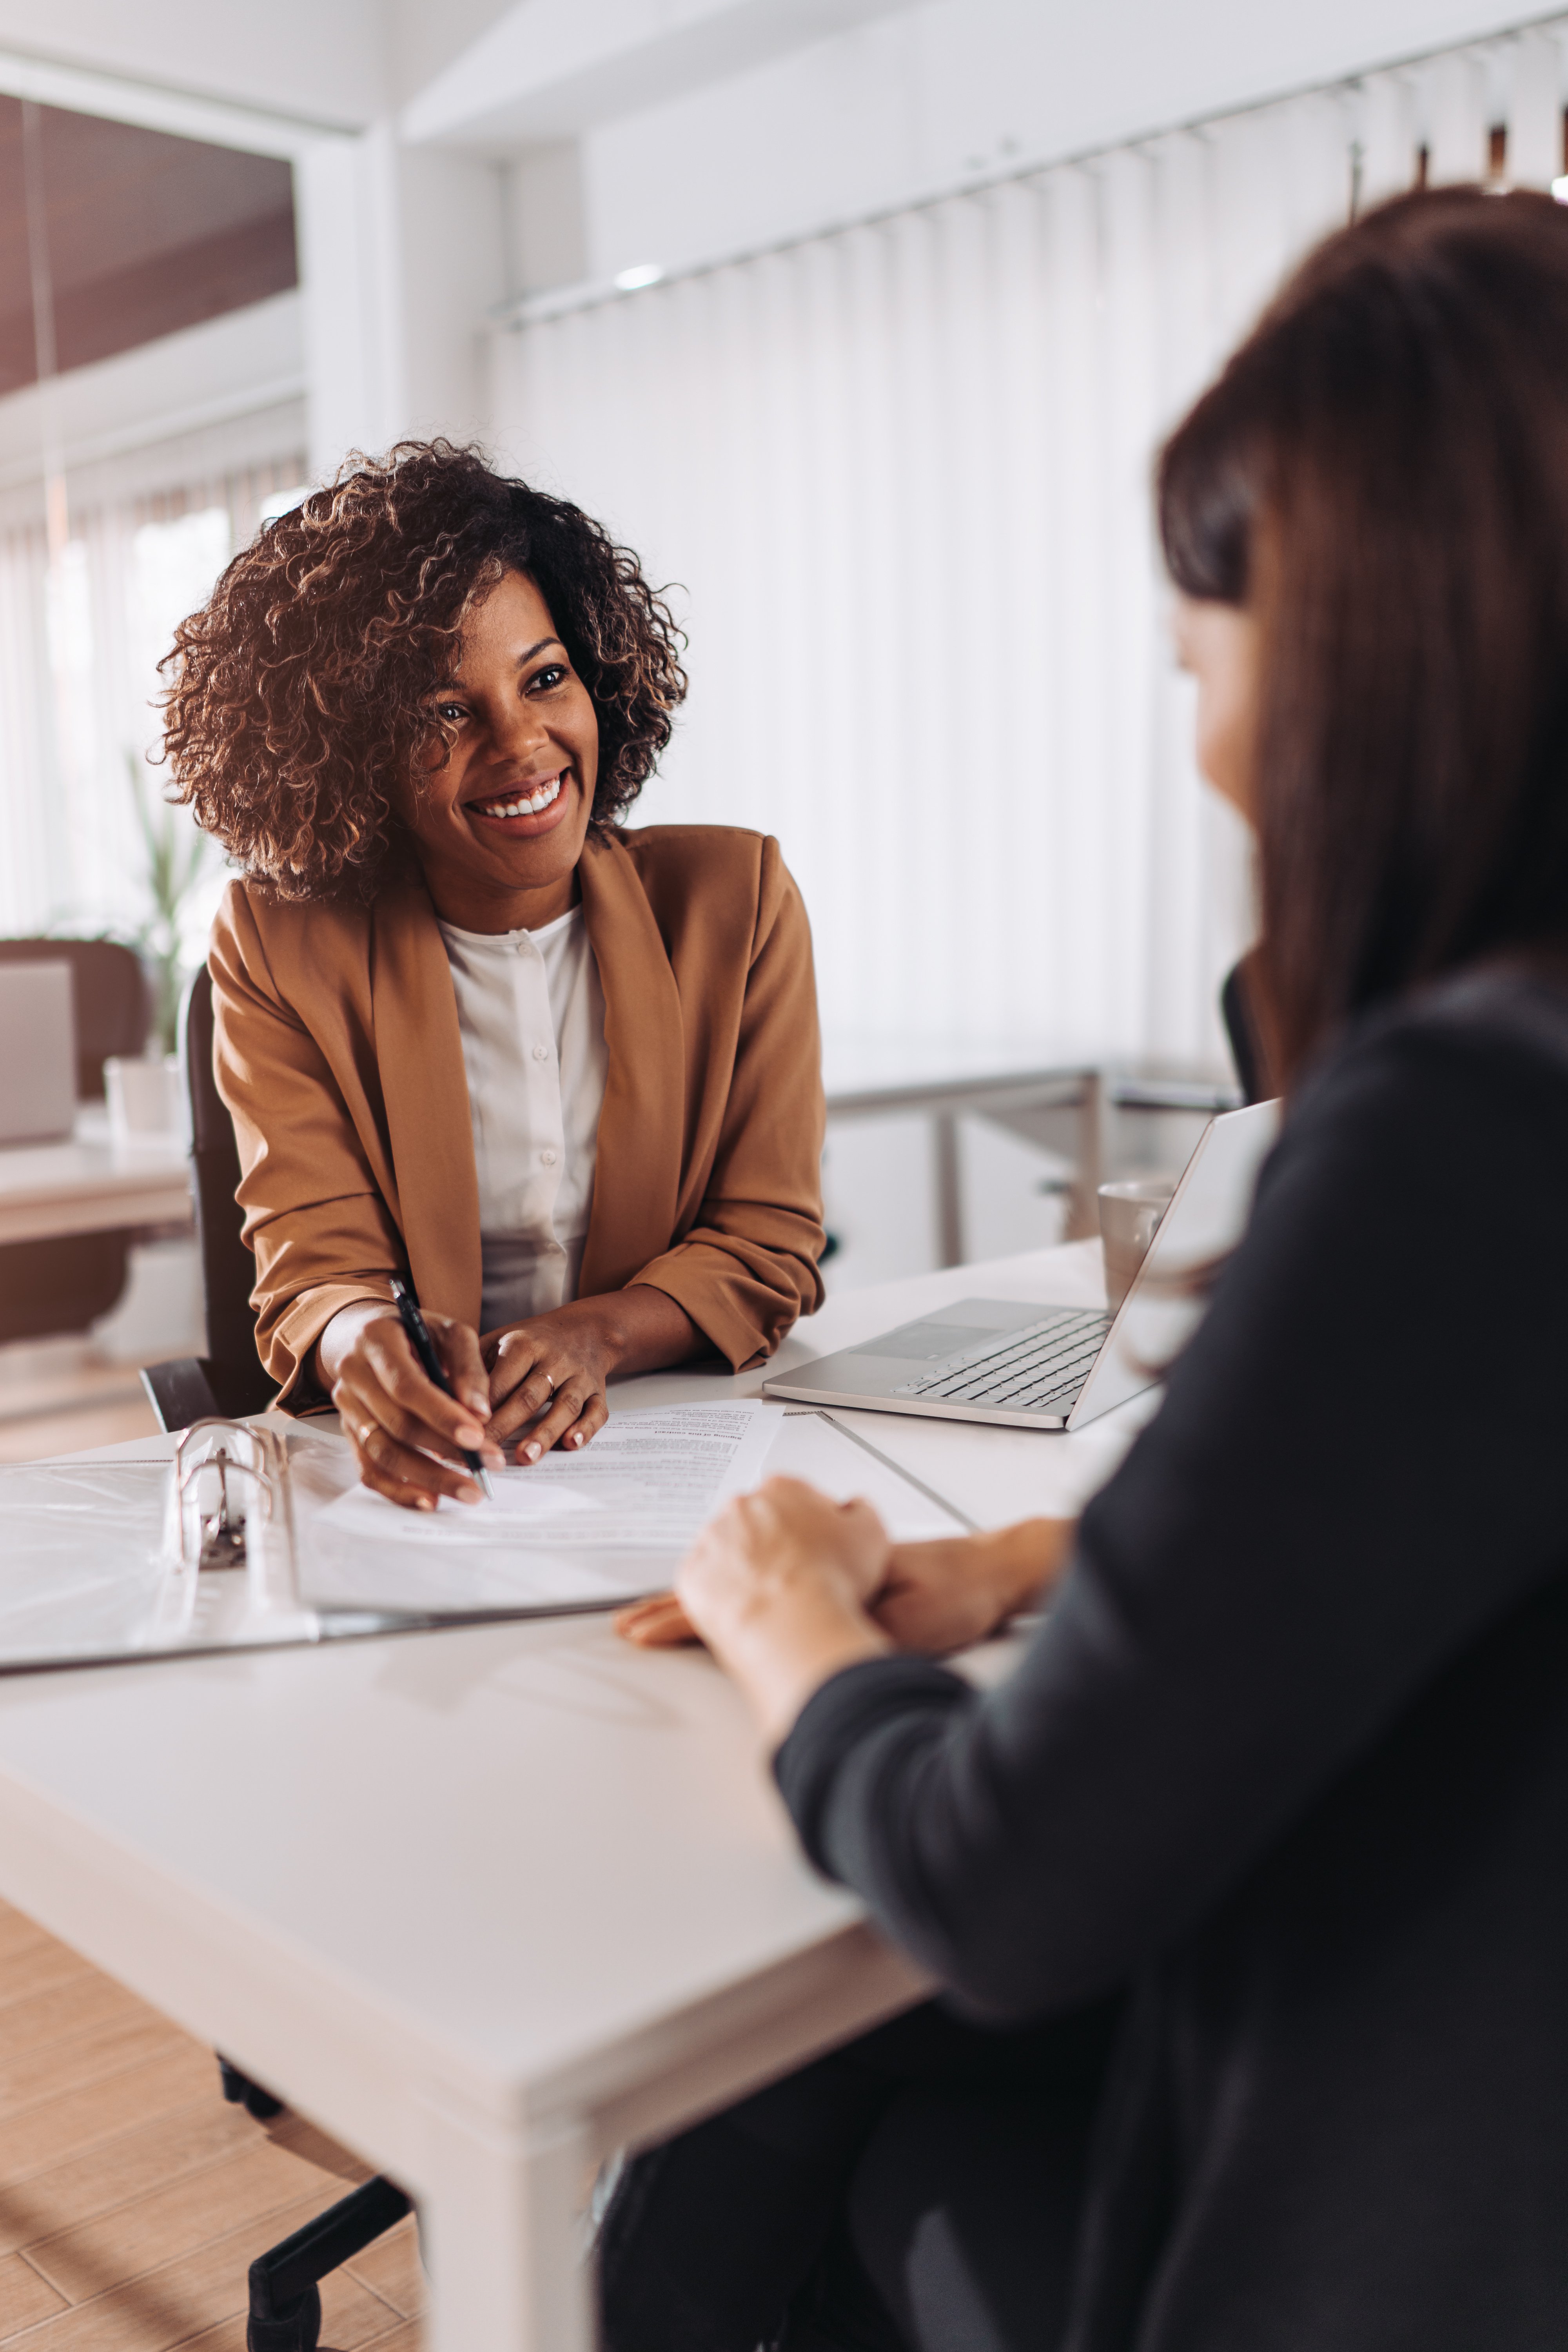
point(786, 1587)
point(542, 1380)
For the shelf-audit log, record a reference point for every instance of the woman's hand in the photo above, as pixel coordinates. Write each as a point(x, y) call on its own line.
point(407, 1437)
point(933, 1597)
point(942, 1596)
point(777, 1586)
point(547, 1376)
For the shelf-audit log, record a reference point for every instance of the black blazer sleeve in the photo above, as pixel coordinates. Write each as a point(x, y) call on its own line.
point(1360, 1462)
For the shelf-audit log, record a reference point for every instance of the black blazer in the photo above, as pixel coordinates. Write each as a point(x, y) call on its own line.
point(1288, 1757)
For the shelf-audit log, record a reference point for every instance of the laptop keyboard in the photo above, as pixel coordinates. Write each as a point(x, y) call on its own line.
point(1039, 1369)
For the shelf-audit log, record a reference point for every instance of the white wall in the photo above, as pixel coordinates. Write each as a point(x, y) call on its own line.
point(451, 273)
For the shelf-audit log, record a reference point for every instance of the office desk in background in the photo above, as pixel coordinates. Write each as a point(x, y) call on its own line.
point(90, 1186)
point(487, 1903)
point(1013, 1082)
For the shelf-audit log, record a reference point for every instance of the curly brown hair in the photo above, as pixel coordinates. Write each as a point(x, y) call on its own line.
point(295, 717)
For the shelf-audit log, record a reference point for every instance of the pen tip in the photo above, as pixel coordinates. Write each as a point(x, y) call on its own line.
point(486, 1489)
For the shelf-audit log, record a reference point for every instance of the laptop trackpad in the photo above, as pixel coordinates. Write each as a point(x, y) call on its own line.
point(926, 1342)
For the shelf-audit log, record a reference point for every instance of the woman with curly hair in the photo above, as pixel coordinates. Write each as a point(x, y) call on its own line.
point(563, 1076)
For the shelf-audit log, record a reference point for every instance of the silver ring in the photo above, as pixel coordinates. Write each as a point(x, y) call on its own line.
point(546, 1376)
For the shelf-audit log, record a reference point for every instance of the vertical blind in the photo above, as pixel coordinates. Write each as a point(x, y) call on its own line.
point(898, 476)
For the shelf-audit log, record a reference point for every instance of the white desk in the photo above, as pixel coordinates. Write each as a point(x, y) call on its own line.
point(86, 1186)
point(486, 1904)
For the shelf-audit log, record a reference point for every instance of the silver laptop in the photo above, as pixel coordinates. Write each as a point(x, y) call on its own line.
point(1038, 1367)
point(38, 1053)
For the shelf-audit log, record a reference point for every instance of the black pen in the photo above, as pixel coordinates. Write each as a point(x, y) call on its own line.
point(418, 1332)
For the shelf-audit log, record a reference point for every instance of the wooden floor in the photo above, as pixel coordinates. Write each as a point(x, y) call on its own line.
point(132, 2197)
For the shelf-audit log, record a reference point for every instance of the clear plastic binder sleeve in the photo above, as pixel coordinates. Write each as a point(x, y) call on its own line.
point(103, 1561)
point(79, 1568)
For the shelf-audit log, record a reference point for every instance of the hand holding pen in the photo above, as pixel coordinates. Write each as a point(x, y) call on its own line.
point(412, 1429)
point(431, 1364)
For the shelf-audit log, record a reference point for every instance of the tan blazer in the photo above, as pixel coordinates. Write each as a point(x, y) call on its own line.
point(338, 1053)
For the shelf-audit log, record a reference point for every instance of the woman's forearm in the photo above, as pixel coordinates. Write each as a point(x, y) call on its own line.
point(339, 1334)
point(638, 1329)
point(777, 1584)
point(788, 1651)
point(1019, 1564)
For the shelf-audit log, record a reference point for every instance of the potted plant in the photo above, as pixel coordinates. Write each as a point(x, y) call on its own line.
point(176, 856)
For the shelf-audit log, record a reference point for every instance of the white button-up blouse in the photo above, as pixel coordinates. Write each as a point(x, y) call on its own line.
point(531, 1013)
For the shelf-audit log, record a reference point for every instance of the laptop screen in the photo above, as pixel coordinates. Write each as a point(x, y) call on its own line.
point(38, 1053)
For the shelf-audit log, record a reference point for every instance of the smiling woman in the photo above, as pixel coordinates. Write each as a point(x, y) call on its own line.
point(469, 1028)
point(503, 803)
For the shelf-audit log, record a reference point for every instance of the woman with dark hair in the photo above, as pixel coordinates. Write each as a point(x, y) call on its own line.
point(1248, 1888)
point(468, 1026)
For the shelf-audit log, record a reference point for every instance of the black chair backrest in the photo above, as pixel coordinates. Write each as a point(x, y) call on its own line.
point(1241, 1028)
point(109, 988)
point(228, 1269)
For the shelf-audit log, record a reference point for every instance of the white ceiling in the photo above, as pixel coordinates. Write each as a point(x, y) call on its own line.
point(323, 60)
point(493, 76)
point(546, 70)
point(551, 69)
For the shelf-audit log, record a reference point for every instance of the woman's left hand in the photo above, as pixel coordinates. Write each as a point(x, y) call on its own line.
point(777, 1586)
point(547, 1377)
point(548, 1374)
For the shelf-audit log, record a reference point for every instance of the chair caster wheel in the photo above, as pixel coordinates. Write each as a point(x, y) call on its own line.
point(241, 2092)
point(298, 2328)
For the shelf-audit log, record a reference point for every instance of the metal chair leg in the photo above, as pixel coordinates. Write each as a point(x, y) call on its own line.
point(285, 2300)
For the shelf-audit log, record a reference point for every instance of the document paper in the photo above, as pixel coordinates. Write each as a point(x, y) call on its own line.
point(574, 1530)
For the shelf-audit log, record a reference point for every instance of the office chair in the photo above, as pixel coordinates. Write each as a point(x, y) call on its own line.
point(66, 1284)
point(285, 2297)
point(1247, 1048)
point(230, 1378)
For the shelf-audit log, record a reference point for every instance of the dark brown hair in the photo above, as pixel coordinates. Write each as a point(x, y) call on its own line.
point(1381, 473)
point(296, 715)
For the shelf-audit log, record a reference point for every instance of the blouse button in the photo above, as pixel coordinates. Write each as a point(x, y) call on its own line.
point(548, 1158)
point(542, 1053)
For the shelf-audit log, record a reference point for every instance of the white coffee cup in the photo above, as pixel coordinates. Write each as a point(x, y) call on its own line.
point(145, 1099)
point(1128, 1212)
